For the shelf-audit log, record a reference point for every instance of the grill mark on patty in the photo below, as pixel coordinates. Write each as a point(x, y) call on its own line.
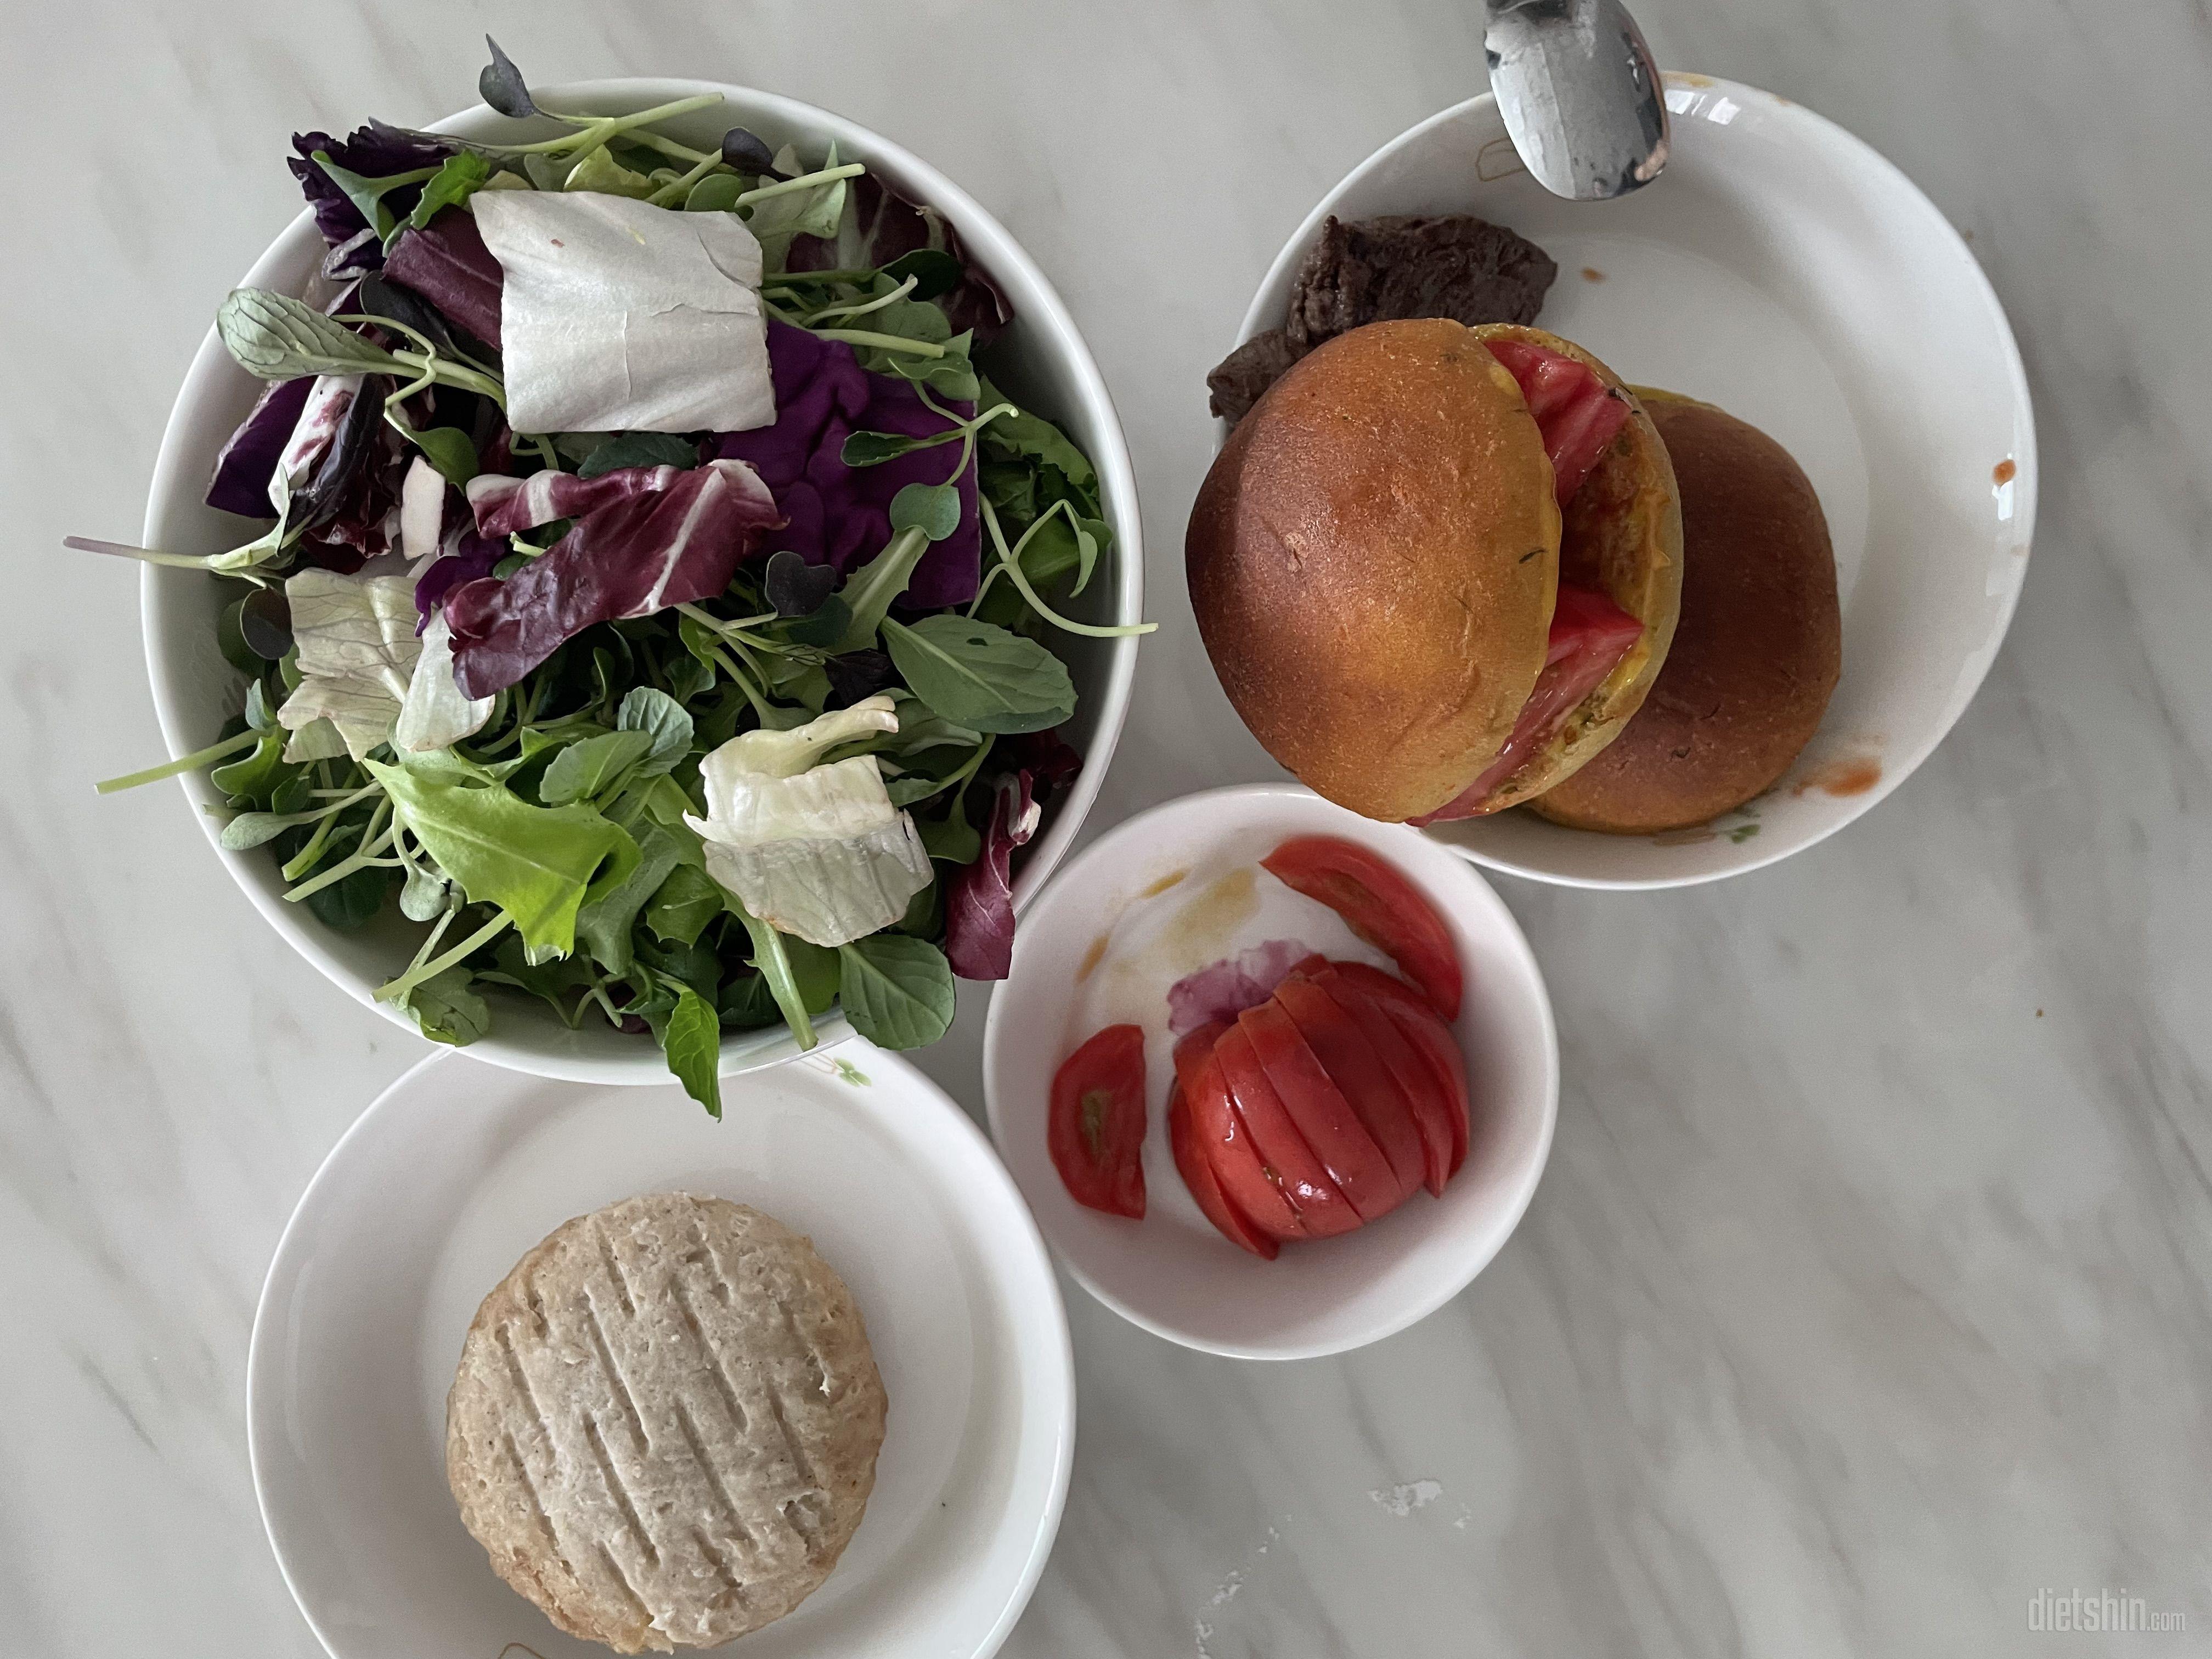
point(623, 1396)
point(614, 1269)
point(618, 1489)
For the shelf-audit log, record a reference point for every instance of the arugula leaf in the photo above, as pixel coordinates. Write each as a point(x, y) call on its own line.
point(605, 922)
point(661, 718)
point(685, 903)
point(368, 194)
point(980, 676)
point(639, 449)
point(351, 901)
point(552, 980)
point(953, 839)
point(584, 770)
point(896, 990)
point(935, 272)
point(537, 863)
point(691, 1038)
point(933, 509)
point(814, 970)
point(279, 338)
point(774, 963)
point(870, 590)
point(461, 176)
point(447, 1009)
point(747, 1003)
point(1024, 436)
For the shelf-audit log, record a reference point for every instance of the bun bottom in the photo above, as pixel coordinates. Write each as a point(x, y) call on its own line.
point(1757, 650)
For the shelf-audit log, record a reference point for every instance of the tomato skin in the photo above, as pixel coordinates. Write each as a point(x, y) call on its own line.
point(1198, 1175)
point(1095, 1129)
point(1358, 1071)
point(1323, 1209)
point(1414, 1073)
point(1380, 905)
point(1322, 1113)
point(1435, 1041)
point(1250, 1187)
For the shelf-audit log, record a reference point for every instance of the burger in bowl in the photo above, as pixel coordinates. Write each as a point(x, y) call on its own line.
point(1438, 567)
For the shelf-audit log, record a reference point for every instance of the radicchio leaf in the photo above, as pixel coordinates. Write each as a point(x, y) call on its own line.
point(505, 505)
point(375, 151)
point(248, 460)
point(879, 225)
point(631, 558)
point(1222, 990)
point(324, 497)
point(446, 263)
point(1047, 758)
point(840, 515)
point(979, 904)
point(469, 557)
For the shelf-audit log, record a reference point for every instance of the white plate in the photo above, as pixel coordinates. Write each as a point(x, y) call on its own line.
point(443, 1184)
point(1041, 360)
point(1783, 270)
point(1171, 1273)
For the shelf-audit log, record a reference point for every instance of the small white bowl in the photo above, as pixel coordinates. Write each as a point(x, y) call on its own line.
point(1781, 269)
point(440, 1188)
point(1041, 360)
point(1171, 1273)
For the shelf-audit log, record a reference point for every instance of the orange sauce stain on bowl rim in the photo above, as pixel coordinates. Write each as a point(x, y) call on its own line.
point(2004, 471)
point(1844, 776)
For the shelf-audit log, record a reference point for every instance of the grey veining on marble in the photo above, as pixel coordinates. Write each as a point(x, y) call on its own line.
point(1866, 1293)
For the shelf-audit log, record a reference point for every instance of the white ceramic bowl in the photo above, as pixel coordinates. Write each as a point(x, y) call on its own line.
point(1783, 270)
point(441, 1186)
point(1171, 1273)
point(1041, 360)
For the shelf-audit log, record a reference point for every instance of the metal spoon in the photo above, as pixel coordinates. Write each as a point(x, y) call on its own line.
point(1580, 94)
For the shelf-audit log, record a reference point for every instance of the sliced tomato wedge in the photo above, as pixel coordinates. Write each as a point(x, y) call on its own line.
point(1249, 1186)
point(1359, 1071)
point(1330, 1125)
point(1576, 412)
point(1425, 1032)
point(1414, 1073)
point(1198, 1175)
point(1095, 1130)
point(1589, 636)
point(1322, 1208)
point(1378, 904)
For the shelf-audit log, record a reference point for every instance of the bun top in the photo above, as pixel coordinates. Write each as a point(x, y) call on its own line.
point(1373, 560)
point(1759, 649)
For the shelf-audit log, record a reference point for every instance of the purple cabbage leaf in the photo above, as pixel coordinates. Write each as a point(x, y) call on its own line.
point(979, 902)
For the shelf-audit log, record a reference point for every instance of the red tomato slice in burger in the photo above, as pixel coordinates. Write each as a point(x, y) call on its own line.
point(1323, 1116)
point(1356, 1068)
point(1198, 1175)
point(1379, 904)
point(1576, 414)
point(1322, 1208)
point(1415, 1075)
point(1096, 1128)
point(1250, 1187)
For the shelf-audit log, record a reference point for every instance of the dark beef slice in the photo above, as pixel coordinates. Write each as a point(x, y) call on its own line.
point(1245, 373)
point(1446, 265)
point(1450, 265)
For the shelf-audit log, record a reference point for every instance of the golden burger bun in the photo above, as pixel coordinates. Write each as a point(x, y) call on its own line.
point(1374, 557)
point(1758, 650)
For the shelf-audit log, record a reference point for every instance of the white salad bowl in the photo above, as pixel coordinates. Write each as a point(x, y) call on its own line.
point(1170, 1272)
point(1041, 360)
point(1781, 269)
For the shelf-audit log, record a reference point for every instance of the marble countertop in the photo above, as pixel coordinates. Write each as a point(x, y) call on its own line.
point(1866, 1294)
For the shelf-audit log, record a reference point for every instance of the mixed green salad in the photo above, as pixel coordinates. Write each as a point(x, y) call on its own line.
point(656, 599)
